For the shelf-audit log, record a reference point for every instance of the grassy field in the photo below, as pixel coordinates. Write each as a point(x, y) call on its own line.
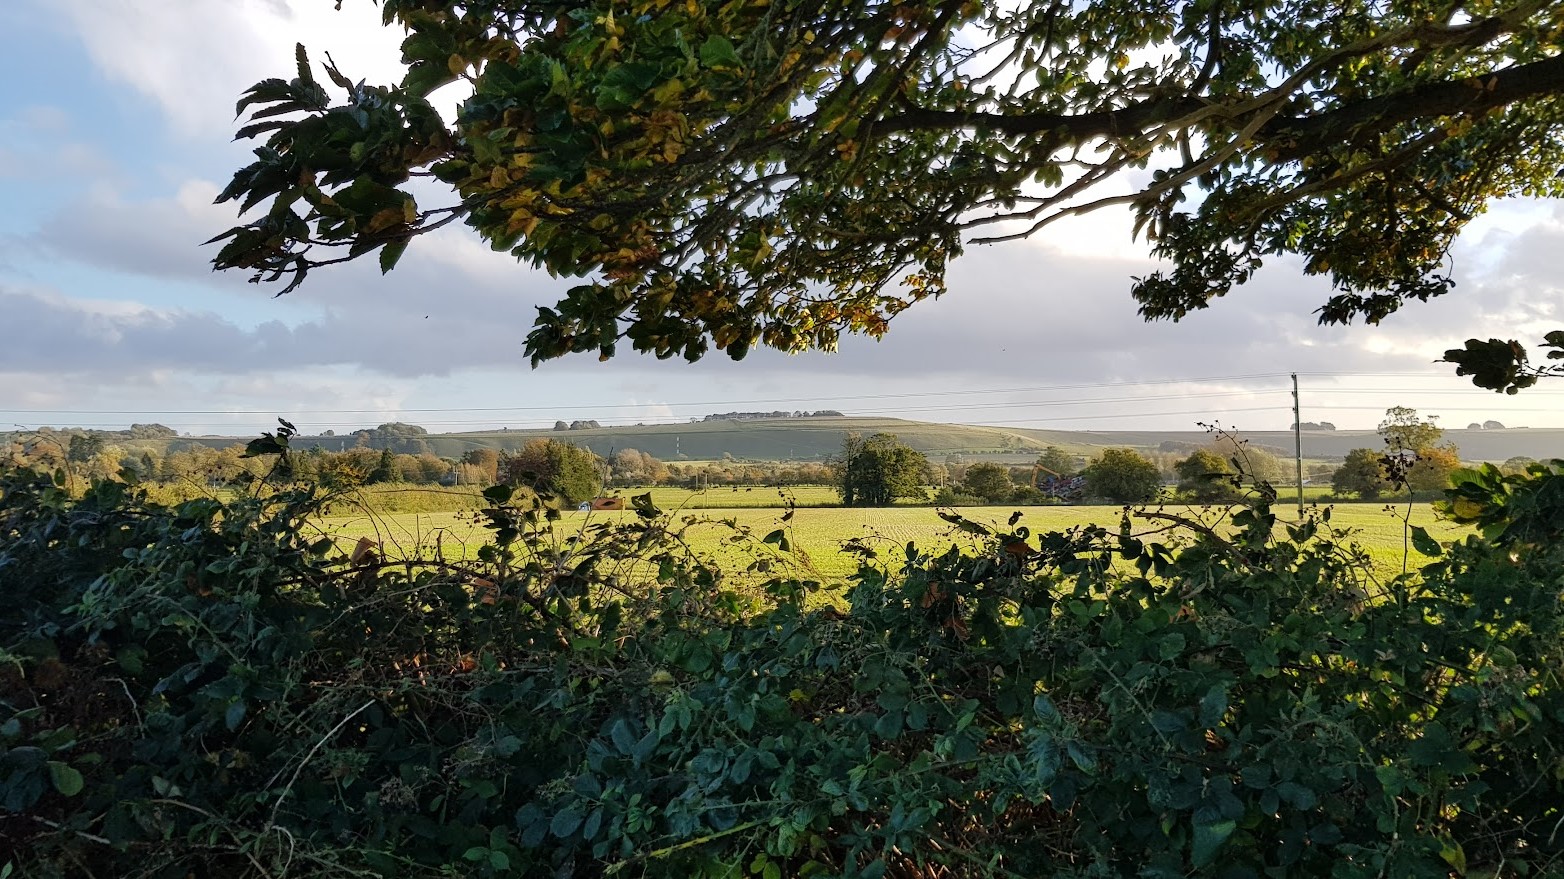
point(817, 533)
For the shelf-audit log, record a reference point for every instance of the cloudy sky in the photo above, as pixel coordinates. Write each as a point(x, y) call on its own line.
point(115, 126)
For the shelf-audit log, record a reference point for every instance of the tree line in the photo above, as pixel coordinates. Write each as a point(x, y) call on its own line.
point(877, 470)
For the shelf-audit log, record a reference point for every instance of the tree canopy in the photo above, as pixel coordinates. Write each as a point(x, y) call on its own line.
point(874, 472)
point(1123, 476)
point(778, 172)
point(1403, 430)
point(556, 467)
point(988, 481)
point(1206, 476)
point(1361, 473)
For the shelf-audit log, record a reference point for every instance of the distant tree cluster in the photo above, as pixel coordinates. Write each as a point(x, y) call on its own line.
point(634, 467)
point(1486, 425)
point(1227, 446)
point(195, 467)
point(1312, 425)
point(395, 436)
point(737, 473)
point(761, 416)
point(134, 432)
point(582, 424)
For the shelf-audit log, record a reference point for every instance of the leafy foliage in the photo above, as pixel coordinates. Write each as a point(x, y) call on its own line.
point(212, 689)
point(1362, 473)
point(1207, 476)
point(988, 481)
point(1503, 366)
point(1057, 462)
point(1123, 475)
point(875, 471)
point(554, 467)
point(743, 172)
point(1404, 431)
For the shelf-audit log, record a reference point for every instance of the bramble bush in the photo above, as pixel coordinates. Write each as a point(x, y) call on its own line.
point(214, 688)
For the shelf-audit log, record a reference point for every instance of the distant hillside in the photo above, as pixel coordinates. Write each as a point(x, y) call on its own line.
point(814, 439)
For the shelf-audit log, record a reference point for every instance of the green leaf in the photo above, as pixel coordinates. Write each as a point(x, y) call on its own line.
point(566, 821)
point(1297, 796)
point(889, 725)
point(1454, 855)
point(624, 738)
point(390, 254)
point(1209, 839)
point(235, 714)
point(1425, 544)
point(718, 53)
point(65, 778)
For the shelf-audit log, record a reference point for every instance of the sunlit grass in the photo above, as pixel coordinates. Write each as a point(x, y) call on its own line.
point(817, 534)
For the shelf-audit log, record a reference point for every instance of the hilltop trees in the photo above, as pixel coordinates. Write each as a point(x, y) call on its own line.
point(874, 472)
point(395, 435)
point(707, 169)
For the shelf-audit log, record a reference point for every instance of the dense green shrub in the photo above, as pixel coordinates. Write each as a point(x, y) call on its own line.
point(1123, 476)
point(210, 689)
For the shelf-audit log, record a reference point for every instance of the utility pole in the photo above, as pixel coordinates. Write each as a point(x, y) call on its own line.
point(1297, 441)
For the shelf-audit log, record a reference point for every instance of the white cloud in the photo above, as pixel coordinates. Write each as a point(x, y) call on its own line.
point(194, 59)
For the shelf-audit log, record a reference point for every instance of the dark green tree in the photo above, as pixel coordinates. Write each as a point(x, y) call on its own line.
point(989, 481)
point(708, 168)
point(1057, 462)
point(385, 469)
point(560, 468)
point(1206, 476)
point(1362, 473)
point(1123, 476)
point(874, 472)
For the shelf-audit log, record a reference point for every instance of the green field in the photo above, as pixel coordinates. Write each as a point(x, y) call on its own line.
point(817, 533)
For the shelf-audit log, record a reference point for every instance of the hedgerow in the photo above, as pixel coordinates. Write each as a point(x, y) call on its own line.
point(212, 688)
